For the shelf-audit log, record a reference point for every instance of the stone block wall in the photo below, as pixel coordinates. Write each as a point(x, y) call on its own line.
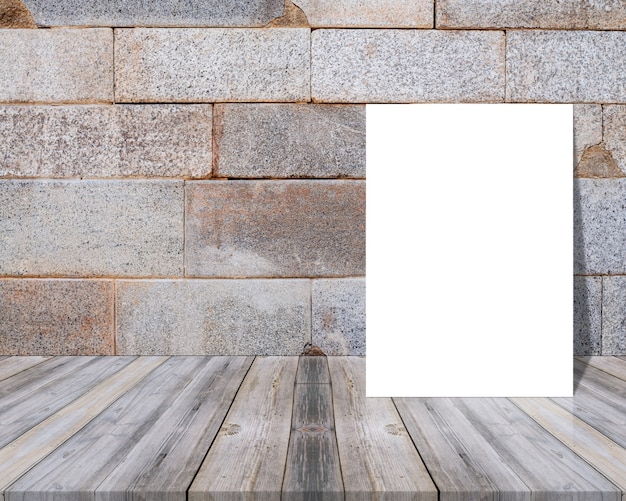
point(189, 177)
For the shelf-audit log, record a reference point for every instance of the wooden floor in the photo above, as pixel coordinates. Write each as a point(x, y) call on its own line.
point(283, 428)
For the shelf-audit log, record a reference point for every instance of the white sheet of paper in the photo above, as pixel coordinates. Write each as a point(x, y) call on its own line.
point(469, 250)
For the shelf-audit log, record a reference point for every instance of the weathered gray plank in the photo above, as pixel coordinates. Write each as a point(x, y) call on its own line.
point(615, 366)
point(9, 366)
point(22, 410)
point(248, 457)
point(313, 471)
point(378, 459)
point(165, 460)
point(462, 463)
point(600, 401)
point(83, 463)
point(29, 449)
point(551, 470)
point(599, 451)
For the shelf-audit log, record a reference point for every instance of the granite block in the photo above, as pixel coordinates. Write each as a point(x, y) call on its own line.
point(105, 141)
point(213, 317)
point(386, 66)
point(14, 14)
point(151, 13)
point(275, 228)
point(614, 316)
point(550, 14)
point(566, 66)
point(368, 13)
point(56, 317)
point(587, 128)
point(290, 140)
point(212, 65)
point(91, 228)
point(338, 310)
point(56, 66)
point(614, 125)
point(599, 226)
point(587, 315)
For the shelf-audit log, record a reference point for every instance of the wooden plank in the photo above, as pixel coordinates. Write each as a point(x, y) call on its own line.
point(378, 458)
point(142, 446)
point(462, 463)
point(165, 460)
point(615, 366)
point(248, 457)
point(313, 471)
point(599, 451)
point(599, 401)
point(29, 449)
point(33, 403)
point(551, 470)
point(9, 366)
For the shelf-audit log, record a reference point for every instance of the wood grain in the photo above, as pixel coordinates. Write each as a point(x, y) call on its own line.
point(461, 461)
point(9, 366)
point(615, 366)
point(378, 458)
point(313, 470)
point(247, 459)
point(23, 453)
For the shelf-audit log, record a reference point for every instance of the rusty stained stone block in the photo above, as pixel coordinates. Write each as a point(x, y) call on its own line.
point(56, 317)
point(14, 14)
point(275, 228)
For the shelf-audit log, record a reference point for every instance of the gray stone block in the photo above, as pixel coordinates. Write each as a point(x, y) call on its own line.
point(599, 226)
point(338, 309)
point(105, 141)
point(566, 66)
point(385, 66)
point(56, 317)
point(153, 13)
point(614, 316)
point(368, 13)
point(290, 140)
point(213, 317)
point(209, 65)
point(56, 66)
point(91, 228)
point(275, 228)
point(614, 125)
point(587, 128)
point(550, 14)
point(587, 315)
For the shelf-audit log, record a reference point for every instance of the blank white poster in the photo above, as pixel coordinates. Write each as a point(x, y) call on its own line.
point(469, 250)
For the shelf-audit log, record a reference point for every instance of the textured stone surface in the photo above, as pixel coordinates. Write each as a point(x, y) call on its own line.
point(338, 309)
point(183, 65)
point(587, 128)
point(56, 66)
point(153, 13)
point(599, 226)
point(275, 228)
point(566, 66)
point(213, 317)
point(56, 317)
point(105, 141)
point(614, 316)
point(587, 315)
point(14, 14)
point(368, 13)
point(614, 120)
point(91, 228)
point(291, 140)
point(406, 66)
point(551, 14)
point(597, 162)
